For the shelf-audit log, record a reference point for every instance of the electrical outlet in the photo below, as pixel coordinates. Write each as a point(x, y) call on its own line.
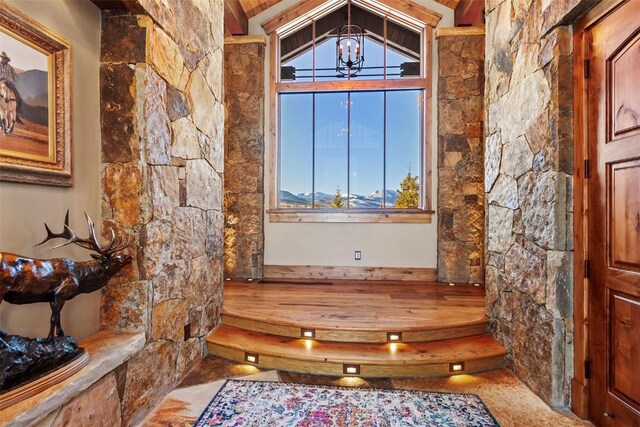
point(357, 255)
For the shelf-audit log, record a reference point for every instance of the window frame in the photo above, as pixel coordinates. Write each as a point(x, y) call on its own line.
point(424, 83)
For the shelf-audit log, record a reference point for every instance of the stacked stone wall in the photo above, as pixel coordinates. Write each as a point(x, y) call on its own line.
point(244, 159)
point(460, 158)
point(162, 179)
point(528, 184)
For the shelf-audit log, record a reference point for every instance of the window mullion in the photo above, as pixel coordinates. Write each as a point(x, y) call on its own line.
point(313, 151)
point(348, 149)
point(384, 150)
point(384, 49)
point(313, 51)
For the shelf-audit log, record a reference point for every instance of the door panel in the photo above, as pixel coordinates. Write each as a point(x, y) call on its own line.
point(625, 102)
point(625, 349)
point(613, 111)
point(625, 214)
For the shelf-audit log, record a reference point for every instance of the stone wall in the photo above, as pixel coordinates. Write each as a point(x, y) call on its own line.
point(162, 172)
point(528, 184)
point(460, 158)
point(244, 158)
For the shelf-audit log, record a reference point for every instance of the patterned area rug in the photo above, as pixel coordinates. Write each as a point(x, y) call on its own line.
point(274, 404)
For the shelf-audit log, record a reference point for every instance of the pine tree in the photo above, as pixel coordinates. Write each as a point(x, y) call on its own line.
point(337, 199)
point(409, 193)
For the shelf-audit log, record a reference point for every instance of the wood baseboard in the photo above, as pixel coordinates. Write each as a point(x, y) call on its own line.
point(352, 273)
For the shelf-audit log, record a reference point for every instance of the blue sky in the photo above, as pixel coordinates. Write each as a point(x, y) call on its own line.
point(366, 159)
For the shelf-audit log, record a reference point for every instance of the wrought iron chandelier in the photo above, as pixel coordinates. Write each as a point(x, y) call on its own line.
point(349, 47)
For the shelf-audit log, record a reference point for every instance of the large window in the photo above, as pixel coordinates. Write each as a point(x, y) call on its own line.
point(351, 150)
point(351, 145)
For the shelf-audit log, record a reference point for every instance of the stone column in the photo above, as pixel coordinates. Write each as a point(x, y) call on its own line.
point(460, 155)
point(162, 173)
point(244, 156)
point(528, 184)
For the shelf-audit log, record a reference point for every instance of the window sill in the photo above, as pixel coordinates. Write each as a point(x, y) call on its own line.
point(338, 216)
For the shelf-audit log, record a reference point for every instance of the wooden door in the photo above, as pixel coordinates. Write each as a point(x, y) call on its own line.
point(614, 216)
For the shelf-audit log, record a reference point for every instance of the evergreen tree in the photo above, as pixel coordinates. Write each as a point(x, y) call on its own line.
point(409, 193)
point(337, 199)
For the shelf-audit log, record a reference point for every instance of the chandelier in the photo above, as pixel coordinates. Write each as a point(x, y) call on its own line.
point(349, 47)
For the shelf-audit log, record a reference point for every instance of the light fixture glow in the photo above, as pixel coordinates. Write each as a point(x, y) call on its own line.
point(393, 347)
point(307, 333)
point(394, 336)
point(351, 369)
point(456, 367)
point(251, 357)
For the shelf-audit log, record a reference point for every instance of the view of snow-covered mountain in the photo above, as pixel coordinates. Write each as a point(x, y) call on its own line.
point(323, 200)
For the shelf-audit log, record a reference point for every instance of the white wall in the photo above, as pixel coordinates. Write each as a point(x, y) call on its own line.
point(382, 245)
point(25, 207)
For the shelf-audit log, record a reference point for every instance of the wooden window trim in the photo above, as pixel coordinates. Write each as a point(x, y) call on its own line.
point(275, 87)
point(351, 215)
point(312, 7)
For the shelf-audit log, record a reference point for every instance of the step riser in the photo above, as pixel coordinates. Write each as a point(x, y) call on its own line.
point(374, 337)
point(334, 368)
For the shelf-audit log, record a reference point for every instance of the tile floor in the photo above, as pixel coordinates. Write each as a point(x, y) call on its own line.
point(509, 400)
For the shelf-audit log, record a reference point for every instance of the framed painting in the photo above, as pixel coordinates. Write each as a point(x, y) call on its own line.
point(35, 102)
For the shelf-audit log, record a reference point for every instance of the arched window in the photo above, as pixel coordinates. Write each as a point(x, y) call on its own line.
point(350, 113)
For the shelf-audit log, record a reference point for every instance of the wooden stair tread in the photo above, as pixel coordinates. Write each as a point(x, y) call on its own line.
point(432, 352)
point(357, 306)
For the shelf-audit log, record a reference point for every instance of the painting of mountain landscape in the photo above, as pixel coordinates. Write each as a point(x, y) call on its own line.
point(24, 101)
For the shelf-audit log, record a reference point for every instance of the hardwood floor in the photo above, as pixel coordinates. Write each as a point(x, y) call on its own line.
point(509, 400)
point(358, 306)
point(439, 325)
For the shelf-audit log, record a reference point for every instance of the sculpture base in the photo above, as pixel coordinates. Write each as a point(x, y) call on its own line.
point(18, 394)
point(23, 360)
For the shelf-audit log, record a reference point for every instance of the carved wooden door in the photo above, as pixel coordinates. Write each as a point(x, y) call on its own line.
point(614, 217)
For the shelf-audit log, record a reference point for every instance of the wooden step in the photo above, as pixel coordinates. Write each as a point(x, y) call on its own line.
point(479, 352)
point(351, 311)
point(378, 334)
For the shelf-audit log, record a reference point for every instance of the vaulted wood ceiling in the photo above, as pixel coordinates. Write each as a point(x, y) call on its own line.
point(253, 7)
point(238, 12)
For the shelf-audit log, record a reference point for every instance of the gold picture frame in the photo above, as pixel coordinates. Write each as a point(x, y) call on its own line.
point(35, 102)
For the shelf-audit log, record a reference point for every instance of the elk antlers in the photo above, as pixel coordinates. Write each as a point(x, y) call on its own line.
point(116, 244)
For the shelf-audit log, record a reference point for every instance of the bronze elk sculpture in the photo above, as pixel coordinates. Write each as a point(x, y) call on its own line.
point(26, 280)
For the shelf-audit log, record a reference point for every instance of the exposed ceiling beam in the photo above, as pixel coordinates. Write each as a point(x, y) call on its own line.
point(235, 20)
point(451, 4)
point(467, 12)
point(131, 5)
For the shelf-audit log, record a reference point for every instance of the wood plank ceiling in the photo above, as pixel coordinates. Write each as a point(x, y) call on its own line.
point(238, 12)
point(253, 7)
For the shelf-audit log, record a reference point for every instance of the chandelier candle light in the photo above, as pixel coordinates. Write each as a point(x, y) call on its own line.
point(350, 36)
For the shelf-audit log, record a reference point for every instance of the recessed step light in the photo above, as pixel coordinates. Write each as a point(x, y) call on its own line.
point(394, 336)
point(350, 369)
point(251, 358)
point(307, 333)
point(456, 367)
